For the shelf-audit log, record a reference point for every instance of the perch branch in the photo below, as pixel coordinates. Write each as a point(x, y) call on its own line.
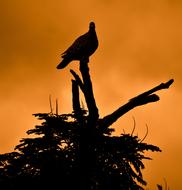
point(88, 91)
point(144, 98)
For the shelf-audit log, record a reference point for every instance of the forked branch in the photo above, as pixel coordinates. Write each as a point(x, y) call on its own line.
point(85, 85)
point(78, 80)
point(141, 99)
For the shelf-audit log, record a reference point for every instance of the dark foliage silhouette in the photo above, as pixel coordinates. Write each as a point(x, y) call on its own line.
point(77, 150)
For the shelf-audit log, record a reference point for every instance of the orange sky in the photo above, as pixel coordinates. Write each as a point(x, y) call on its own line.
point(140, 47)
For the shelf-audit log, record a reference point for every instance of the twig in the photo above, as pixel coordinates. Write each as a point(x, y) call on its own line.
point(134, 123)
point(57, 107)
point(50, 103)
point(145, 134)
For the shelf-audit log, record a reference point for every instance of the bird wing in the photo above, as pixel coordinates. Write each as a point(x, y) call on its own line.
point(77, 45)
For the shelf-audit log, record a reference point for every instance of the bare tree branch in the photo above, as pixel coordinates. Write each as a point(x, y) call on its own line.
point(75, 96)
point(78, 111)
point(78, 80)
point(144, 98)
point(155, 89)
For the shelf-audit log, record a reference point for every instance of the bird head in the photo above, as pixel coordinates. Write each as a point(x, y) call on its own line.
point(92, 25)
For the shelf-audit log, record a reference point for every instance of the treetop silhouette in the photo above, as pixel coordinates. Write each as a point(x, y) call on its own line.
point(77, 150)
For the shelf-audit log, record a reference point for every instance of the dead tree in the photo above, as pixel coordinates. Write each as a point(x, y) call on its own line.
point(94, 128)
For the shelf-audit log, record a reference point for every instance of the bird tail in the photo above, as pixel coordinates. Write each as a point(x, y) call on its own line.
point(63, 64)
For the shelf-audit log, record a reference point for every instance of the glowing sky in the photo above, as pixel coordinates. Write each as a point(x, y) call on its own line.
point(140, 47)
